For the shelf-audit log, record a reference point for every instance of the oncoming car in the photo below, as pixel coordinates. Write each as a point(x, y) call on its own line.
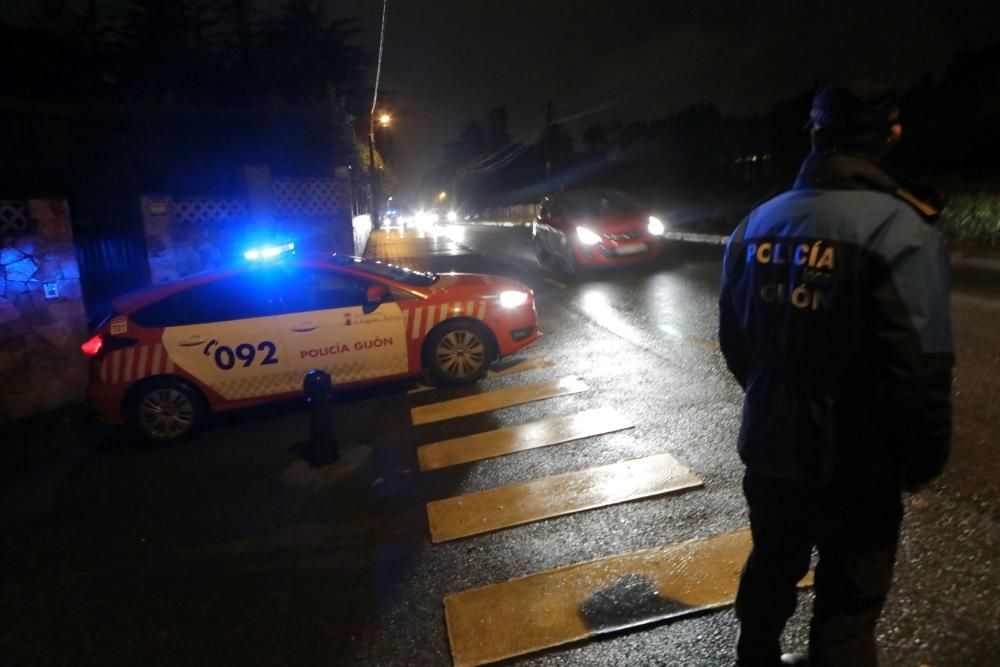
point(396, 217)
point(593, 228)
point(170, 355)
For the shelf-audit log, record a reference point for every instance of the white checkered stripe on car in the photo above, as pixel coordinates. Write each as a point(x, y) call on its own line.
point(253, 386)
point(423, 318)
point(135, 363)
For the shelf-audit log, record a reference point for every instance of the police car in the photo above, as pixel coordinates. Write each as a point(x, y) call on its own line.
point(170, 355)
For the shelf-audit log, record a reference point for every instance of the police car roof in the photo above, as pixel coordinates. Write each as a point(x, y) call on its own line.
point(135, 299)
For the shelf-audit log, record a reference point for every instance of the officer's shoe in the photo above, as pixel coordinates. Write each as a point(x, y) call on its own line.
point(794, 660)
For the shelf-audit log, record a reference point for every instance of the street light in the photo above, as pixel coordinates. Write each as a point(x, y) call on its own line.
point(384, 120)
point(442, 195)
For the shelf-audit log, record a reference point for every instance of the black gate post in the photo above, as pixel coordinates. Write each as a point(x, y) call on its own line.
point(322, 439)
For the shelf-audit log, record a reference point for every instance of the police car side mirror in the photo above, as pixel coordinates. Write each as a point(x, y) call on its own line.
point(374, 296)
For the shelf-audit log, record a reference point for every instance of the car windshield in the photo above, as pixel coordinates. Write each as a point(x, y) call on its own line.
point(398, 273)
point(602, 202)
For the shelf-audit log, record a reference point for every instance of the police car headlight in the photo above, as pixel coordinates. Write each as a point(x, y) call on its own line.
point(587, 237)
point(513, 298)
point(656, 227)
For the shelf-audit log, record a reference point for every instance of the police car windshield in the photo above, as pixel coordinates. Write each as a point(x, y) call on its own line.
point(601, 202)
point(391, 271)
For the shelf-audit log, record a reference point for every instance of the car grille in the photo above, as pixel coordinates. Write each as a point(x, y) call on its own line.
point(623, 236)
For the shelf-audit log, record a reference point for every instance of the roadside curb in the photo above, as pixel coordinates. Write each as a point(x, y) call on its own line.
point(691, 237)
point(960, 262)
point(494, 223)
point(302, 475)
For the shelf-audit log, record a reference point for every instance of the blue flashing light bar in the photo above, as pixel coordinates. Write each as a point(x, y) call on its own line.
point(268, 251)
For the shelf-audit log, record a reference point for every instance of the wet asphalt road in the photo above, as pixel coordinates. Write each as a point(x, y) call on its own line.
point(644, 340)
point(201, 554)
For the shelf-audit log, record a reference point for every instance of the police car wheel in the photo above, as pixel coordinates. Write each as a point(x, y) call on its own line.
point(459, 352)
point(167, 411)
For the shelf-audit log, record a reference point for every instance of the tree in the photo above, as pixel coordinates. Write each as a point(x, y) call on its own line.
point(83, 47)
point(470, 144)
point(310, 57)
point(497, 123)
point(161, 57)
point(556, 145)
point(596, 138)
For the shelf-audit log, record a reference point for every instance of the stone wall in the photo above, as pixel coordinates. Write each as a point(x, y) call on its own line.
point(42, 318)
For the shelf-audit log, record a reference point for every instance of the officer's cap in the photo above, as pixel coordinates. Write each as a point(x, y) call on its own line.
point(855, 106)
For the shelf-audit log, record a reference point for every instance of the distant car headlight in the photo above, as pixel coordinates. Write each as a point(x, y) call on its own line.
point(513, 298)
point(656, 227)
point(452, 216)
point(587, 237)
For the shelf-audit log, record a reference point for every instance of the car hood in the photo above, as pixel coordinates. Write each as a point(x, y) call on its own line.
point(613, 224)
point(468, 283)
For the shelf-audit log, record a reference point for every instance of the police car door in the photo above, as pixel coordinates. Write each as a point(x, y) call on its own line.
point(224, 334)
point(329, 325)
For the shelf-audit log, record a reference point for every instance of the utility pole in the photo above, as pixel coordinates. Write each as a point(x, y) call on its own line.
point(376, 178)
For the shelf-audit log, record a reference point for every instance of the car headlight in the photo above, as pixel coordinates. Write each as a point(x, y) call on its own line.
point(656, 227)
point(513, 298)
point(452, 216)
point(587, 237)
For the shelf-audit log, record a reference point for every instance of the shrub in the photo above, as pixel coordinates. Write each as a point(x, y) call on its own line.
point(973, 219)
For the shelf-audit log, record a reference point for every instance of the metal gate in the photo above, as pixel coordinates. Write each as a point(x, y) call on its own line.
point(111, 263)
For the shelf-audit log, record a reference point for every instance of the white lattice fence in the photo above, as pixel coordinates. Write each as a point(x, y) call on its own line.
point(13, 217)
point(196, 210)
point(310, 196)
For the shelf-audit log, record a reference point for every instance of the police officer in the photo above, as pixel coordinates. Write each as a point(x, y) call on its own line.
point(834, 320)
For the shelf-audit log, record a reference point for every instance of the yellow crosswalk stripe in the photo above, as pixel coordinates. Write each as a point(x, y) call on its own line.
point(526, 364)
point(583, 600)
point(505, 369)
point(520, 438)
point(557, 495)
point(494, 400)
point(709, 345)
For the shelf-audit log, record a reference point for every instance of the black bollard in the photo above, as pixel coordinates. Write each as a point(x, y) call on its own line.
point(322, 440)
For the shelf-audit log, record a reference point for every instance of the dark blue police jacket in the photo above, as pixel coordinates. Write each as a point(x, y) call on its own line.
point(834, 319)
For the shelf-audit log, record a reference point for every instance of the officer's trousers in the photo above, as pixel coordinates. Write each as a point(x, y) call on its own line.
point(854, 524)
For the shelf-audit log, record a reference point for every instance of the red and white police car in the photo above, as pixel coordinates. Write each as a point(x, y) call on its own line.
point(171, 354)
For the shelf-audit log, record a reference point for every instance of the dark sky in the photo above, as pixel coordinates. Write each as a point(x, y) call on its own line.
point(447, 61)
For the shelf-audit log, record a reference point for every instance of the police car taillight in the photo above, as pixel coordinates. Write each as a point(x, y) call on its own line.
point(93, 346)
